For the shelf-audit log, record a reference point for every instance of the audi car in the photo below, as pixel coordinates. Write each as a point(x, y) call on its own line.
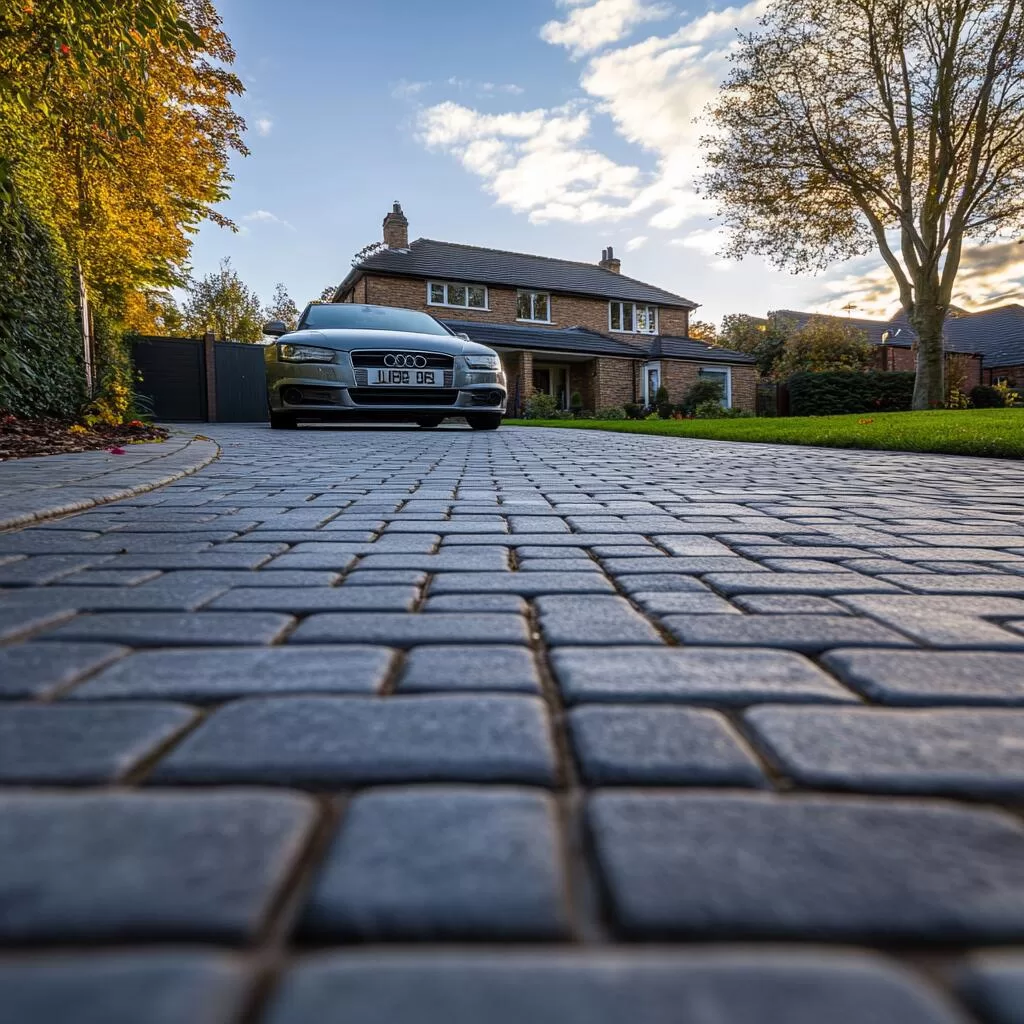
point(346, 361)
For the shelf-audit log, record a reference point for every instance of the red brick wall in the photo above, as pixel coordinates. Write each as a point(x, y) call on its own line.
point(905, 360)
point(678, 377)
point(1014, 375)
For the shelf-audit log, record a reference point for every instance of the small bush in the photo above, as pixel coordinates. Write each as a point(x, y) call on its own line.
point(613, 412)
point(540, 407)
point(576, 401)
point(710, 410)
point(848, 391)
point(583, 414)
point(702, 392)
point(632, 411)
point(985, 397)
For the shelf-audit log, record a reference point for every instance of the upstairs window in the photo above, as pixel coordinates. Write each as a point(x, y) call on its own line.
point(535, 306)
point(461, 296)
point(632, 318)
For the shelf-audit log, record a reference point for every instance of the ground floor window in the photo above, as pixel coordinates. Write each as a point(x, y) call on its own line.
point(723, 375)
point(551, 379)
point(651, 381)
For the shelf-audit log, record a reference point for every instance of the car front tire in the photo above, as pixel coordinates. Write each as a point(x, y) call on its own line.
point(283, 420)
point(484, 420)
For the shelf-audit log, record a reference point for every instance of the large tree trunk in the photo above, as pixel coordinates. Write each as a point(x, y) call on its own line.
point(927, 319)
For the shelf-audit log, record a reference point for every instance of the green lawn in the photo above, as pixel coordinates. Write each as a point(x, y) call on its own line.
point(996, 433)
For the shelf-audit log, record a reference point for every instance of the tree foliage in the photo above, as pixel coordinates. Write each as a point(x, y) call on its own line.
point(223, 303)
point(897, 126)
point(327, 295)
point(824, 345)
point(282, 307)
point(762, 339)
point(703, 331)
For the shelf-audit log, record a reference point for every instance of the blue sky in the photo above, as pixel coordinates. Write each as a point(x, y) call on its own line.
point(549, 126)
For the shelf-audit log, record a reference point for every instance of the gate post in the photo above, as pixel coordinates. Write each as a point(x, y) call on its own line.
point(210, 359)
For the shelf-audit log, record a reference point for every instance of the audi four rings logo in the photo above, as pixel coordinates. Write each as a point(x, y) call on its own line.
point(407, 361)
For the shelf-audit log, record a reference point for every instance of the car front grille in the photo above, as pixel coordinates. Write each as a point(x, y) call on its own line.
point(403, 396)
point(433, 360)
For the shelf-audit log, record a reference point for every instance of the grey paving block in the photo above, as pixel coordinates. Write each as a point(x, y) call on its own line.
point(959, 752)
point(184, 987)
point(734, 866)
point(660, 746)
point(42, 745)
point(686, 565)
point(41, 669)
point(692, 676)
point(558, 986)
point(525, 584)
point(475, 603)
point(20, 620)
point(593, 619)
point(469, 668)
point(209, 676)
point(360, 577)
point(240, 557)
point(807, 633)
point(730, 583)
point(107, 867)
point(924, 678)
point(304, 600)
point(576, 553)
point(519, 540)
point(109, 577)
point(671, 602)
point(328, 741)
point(161, 594)
point(470, 560)
point(789, 604)
point(994, 984)
point(170, 629)
point(40, 569)
point(411, 630)
point(661, 583)
point(982, 583)
point(555, 565)
point(442, 863)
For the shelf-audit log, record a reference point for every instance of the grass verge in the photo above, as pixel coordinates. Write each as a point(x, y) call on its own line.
point(992, 433)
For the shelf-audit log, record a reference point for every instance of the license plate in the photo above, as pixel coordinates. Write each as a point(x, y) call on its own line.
point(406, 378)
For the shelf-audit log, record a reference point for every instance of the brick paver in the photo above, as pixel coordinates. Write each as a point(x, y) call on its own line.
point(537, 694)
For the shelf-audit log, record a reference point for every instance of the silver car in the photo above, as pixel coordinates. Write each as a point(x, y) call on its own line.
point(346, 361)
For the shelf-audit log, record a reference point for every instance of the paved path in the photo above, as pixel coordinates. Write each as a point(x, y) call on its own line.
point(52, 485)
point(549, 727)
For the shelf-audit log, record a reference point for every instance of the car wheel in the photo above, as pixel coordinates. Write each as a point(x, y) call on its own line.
point(429, 422)
point(283, 420)
point(484, 420)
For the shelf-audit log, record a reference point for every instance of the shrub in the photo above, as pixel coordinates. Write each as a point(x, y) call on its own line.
point(613, 412)
point(985, 397)
point(583, 414)
point(576, 401)
point(832, 394)
point(632, 411)
point(702, 392)
point(540, 407)
point(710, 410)
point(662, 405)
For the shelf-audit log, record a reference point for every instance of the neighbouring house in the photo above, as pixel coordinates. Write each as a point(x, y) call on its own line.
point(988, 345)
point(560, 326)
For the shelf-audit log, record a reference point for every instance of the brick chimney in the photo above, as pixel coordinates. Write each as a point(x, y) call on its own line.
point(609, 262)
point(396, 228)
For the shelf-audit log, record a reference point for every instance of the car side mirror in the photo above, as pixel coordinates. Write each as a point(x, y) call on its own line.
point(463, 336)
point(275, 328)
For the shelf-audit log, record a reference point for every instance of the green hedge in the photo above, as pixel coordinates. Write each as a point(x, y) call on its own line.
point(40, 345)
point(832, 394)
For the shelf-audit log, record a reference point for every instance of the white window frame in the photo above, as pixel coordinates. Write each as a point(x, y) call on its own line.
point(645, 380)
point(634, 306)
point(485, 308)
point(727, 370)
point(533, 293)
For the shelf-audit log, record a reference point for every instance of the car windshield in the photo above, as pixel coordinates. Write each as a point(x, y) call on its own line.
point(348, 316)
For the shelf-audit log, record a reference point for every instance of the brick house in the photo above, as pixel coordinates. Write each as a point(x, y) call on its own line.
point(988, 346)
point(560, 326)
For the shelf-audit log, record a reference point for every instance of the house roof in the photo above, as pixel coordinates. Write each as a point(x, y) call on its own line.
point(429, 258)
point(579, 339)
point(872, 328)
point(996, 334)
point(565, 339)
point(690, 348)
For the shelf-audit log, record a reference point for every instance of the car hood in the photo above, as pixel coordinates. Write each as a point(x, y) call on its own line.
point(351, 341)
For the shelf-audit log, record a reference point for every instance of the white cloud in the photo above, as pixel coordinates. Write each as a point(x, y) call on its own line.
point(591, 25)
point(266, 217)
point(636, 243)
point(544, 163)
point(403, 89)
point(264, 126)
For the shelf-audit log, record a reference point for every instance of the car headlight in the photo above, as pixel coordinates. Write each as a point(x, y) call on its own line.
point(305, 354)
point(483, 362)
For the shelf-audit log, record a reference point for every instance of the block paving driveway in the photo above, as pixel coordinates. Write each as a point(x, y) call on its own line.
point(360, 726)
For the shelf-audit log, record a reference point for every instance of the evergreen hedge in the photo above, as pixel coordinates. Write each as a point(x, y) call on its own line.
point(41, 370)
point(832, 394)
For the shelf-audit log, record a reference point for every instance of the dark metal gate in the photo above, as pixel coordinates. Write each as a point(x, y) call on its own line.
point(241, 383)
point(172, 376)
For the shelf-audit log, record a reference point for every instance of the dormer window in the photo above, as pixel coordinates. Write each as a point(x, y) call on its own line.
point(632, 318)
point(534, 307)
point(459, 296)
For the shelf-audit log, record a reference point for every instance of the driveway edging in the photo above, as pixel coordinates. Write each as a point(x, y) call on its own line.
point(24, 502)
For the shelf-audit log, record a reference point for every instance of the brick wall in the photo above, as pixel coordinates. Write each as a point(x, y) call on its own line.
point(904, 360)
point(678, 377)
point(615, 381)
point(566, 310)
point(1014, 375)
